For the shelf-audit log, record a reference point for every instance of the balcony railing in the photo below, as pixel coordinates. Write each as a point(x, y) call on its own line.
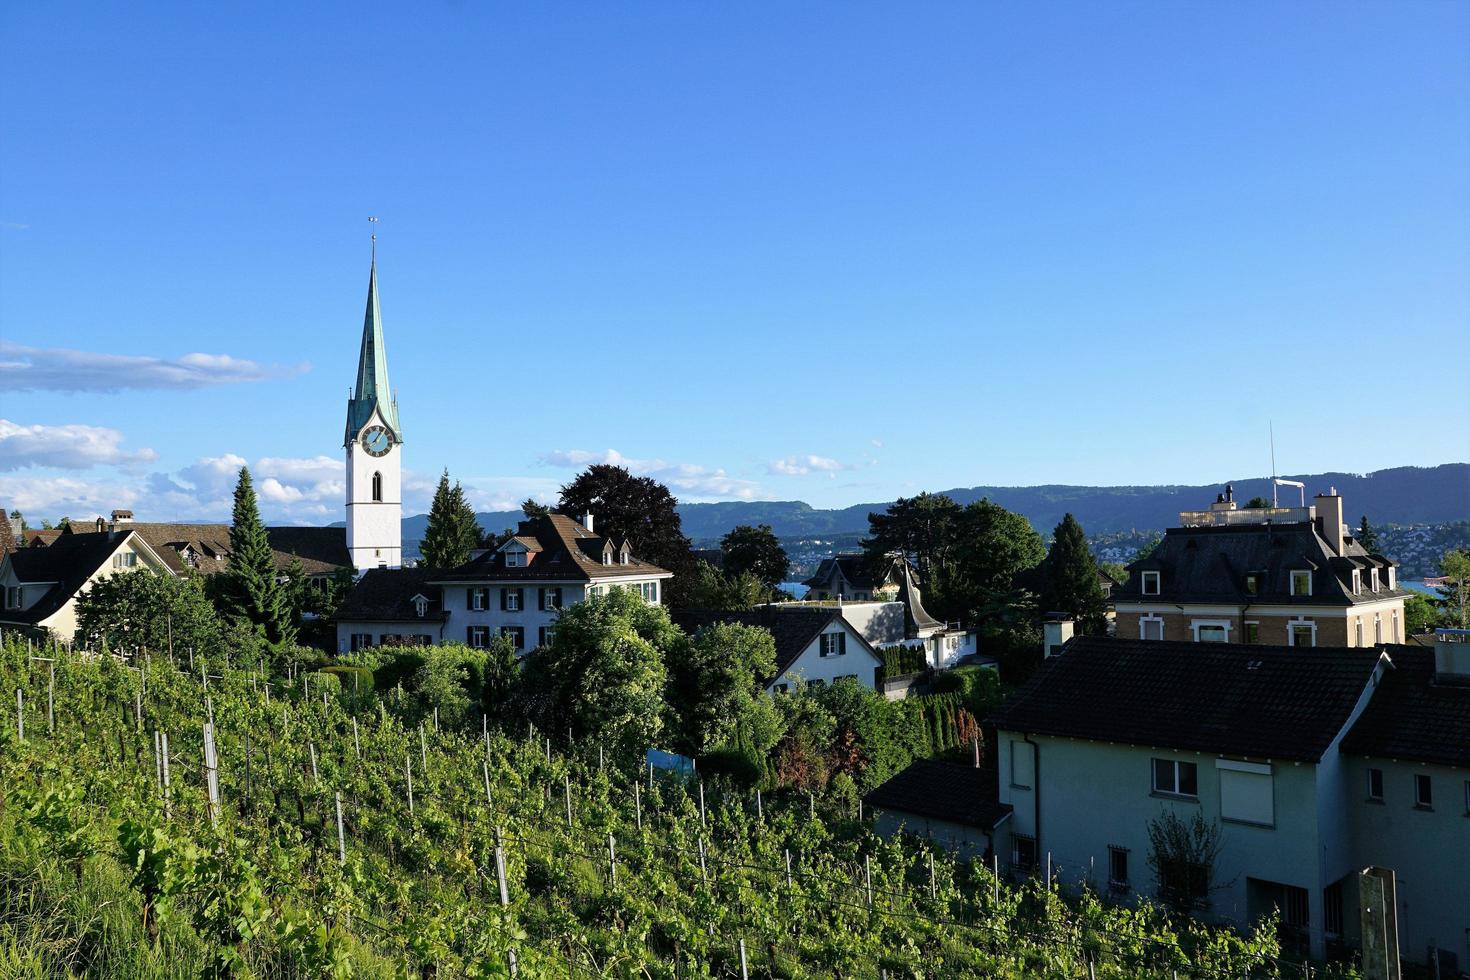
point(1248, 515)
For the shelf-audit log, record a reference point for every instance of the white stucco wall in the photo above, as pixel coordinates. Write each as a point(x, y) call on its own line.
point(374, 529)
point(63, 622)
point(811, 666)
point(429, 627)
point(964, 842)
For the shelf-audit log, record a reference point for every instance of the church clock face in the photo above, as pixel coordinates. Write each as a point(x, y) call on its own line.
point(377, 440)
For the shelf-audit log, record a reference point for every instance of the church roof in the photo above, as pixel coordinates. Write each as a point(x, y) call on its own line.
point(372, 390)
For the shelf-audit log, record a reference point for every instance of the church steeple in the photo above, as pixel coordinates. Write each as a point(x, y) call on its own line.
point(372, 389)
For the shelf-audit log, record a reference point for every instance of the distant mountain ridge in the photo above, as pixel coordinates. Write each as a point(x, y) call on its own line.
point(1402, 495)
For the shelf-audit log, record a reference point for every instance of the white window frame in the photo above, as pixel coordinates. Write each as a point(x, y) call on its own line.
point(421, 606)
point(1198, 624)
point(125, 559)
point(1176, 792)
point(1377, 628)
point(1291, 627)
point(512, 600)
point(479, 637)
point(1373, 580)
point(1393, 578)
point(1372, 796)
point(1292, 580)
point(515, 558)
point(479, 599)
point(1143, 627)
point(1358, 582)
point(831, 645)
point(1157, 579)
point(1394, 636)
point(1358, 630)
point(1425, 801)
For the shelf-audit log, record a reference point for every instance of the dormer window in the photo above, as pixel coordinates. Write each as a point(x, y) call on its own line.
point(421, 605)
point(515, 559)
point(1358, 582)
point(1252, 583)
point(624, 555)
point(1301, 583)
point(607, 554)
point(1150, 581)
point(1393, 578)
point(1373, 580)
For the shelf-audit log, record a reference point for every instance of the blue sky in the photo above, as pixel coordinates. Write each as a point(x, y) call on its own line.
point(833, 252)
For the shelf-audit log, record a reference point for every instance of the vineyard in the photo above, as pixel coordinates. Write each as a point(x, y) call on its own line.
point(163, 821)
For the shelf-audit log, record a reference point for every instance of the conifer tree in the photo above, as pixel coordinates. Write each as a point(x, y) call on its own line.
point(1368, 536)
point(453, 530)
point(254, 592)
point(1071, 583)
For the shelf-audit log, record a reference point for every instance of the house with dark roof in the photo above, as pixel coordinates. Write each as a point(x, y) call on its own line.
point(851, 577)
point(39, 586)
point(1286, 576)
point(958, 807)
point(205, 548)
point(1276, 746)
point(516, 589)
point(814, 644)
point(394, 607)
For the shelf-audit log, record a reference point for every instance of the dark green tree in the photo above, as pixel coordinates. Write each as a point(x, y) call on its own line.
point(252, 590)
point(1454, 594)
point(922, 528)
point(1070, 583)
point(602, 676)
point(1368, 536)
point(756, 550)
point(710, 589)
point(453, 531)
point(1257, 503)
point(143, 610)
point(1421, 615)
point(716, 690)
point(639, 508)
point(992, 548)
point(531, 508)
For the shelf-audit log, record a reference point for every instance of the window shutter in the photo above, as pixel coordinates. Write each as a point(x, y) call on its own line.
point(541, 599)
point(469, 598)
point(556, 592)
point(503, 602)
point(469, 635)
point(520, 598)
point(841, 644)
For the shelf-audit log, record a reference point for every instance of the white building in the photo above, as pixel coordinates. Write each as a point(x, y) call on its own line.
point(39, 586)
point(516, 590)
point(373, 439)
point(814, 644)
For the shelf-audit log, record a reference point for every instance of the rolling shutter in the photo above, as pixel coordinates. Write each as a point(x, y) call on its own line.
point(1246, 792)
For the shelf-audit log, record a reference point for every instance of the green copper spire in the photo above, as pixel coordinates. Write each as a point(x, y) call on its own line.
point(372, 389)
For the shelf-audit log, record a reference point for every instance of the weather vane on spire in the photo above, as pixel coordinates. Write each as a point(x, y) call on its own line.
point(374, 220)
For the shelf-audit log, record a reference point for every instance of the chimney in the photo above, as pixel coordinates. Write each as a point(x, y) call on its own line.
point(101, 525)
point(122, 517)
point(1452, 656)
point(1055, 632)
point(1329, 519)
point(587, 522)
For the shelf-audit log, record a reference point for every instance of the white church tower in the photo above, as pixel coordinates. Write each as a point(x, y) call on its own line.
point(374, 445)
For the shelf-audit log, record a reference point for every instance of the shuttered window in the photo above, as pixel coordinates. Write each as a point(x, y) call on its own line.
point(1247, 793)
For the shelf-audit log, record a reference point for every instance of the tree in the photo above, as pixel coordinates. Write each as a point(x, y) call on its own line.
point(921, 528)
point(1148, 548)
point(1420, 614)
point(1367, 536)
point(1070, 578)
point(709, 589)
point(602, 677)
point(717, 689)
point(1183, 855)
point(636, 507)
point(143, 610)
point(1454, 595)
point(453, 531)
point(756, 550)
point(992, 547)
point(532, 509)
point(252, 591)
point(1257, 503)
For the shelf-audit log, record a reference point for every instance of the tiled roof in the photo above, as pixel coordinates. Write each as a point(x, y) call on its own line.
point(1412, 716)
point(568, 553)
point(1240, 699)
point(321, 550)
point(69, 562)
point(1209, 564)
point(943, 791)
point(793, 629)
point(44, 537)
point(386, 595)
point(854, 568)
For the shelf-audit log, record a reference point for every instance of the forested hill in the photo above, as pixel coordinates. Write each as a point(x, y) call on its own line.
point(1403, 495)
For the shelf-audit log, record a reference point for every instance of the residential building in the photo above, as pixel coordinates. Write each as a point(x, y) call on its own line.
point(955, 806)
point(1275, 745)
point(39, 587)
point(1289, 576)
point(814, 644)
point(393, 607)
point(517, 589)
point(852, 577)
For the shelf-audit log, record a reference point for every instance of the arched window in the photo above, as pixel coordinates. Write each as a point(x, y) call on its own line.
point(377, 488)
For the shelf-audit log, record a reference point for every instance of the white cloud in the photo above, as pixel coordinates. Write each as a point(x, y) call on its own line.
point(66, 447)
point(689, 481)
point(803, 465)
point(59, 369)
